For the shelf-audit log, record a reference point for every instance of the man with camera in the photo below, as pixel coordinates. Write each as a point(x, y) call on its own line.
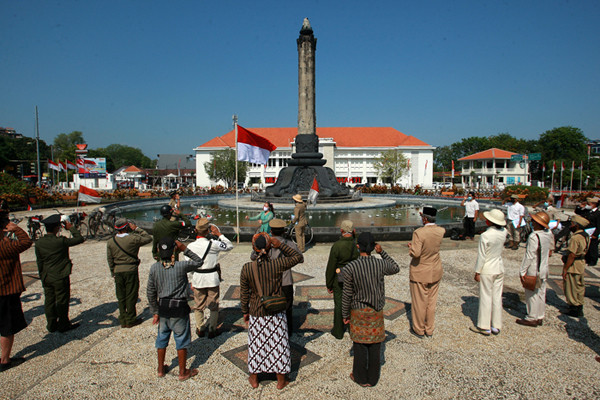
point(54, 266)
point(12, 319)
point(205, 281)
point(122, 256)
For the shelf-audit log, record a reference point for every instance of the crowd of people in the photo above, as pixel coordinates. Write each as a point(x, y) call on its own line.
point(355, 275)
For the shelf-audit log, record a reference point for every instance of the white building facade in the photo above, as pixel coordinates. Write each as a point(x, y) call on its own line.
point(493, 169)
point(350, 153)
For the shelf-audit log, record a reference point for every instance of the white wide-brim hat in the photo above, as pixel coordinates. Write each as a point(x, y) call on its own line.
point(495, 217)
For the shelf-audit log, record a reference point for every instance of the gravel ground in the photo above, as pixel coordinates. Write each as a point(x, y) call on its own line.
point(100, 360)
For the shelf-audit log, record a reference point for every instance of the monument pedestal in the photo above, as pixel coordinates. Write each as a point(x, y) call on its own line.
point(299, 179)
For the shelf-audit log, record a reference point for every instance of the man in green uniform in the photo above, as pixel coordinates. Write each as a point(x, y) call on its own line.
point(342, 252)
point(54, 266)
point(574, 266)
point(167, 228)
point(122, 255)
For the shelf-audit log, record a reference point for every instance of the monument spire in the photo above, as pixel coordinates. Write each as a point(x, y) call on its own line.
point(306, 163)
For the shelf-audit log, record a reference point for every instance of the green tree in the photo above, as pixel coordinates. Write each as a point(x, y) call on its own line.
point(563, 144)
point(21, 151)
point(119, 155)
point(391, 164)
point(65, 145)
point(222, 166)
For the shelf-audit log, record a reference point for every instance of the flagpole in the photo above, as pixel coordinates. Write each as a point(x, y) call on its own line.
point(562, 167)
point(552, 179)
point(580, 175)
point(572, 169)
point(237, 209)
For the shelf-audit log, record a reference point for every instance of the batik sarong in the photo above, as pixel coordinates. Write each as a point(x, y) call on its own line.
point(366, 326)
point(268, 345)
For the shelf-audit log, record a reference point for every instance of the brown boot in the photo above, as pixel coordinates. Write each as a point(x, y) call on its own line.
point(253, 379)
point(282, 381)
point(184, 373)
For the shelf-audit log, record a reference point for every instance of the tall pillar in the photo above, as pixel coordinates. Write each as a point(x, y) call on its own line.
point(306, 163)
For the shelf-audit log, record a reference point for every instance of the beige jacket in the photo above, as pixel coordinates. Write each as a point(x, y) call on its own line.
point(426, 265)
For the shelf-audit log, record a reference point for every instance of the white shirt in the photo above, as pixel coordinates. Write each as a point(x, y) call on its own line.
point(211, 279)
point(529, 266)
point(471, 207)
point(515, 211)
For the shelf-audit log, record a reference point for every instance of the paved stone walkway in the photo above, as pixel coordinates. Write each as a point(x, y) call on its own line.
point(100, 360)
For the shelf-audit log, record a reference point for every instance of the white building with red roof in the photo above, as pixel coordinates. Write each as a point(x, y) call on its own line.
point(350, 153)
point(493, 168)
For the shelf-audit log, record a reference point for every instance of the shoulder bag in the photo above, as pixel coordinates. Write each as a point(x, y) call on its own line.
point(532, 282)
point(272, 304)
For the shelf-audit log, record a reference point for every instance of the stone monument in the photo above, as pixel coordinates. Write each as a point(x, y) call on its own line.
point(306, 163)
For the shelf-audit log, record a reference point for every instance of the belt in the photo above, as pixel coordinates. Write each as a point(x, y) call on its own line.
point(207, 271)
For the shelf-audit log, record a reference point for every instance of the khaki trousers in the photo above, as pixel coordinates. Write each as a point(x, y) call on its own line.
point(490, 301)
point(206, 298)
point(574, 289)
point(424, 301)
point(300, 237)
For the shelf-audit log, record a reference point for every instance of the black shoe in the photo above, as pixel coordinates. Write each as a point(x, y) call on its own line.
point(213, 334)
point(416, 334)
point(134, 323)
point(70, 327)
point(12, 363)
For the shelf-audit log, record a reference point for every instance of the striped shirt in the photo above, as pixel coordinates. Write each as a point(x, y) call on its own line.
point(170, 282)
point(363, 282)
point(269, 273)
point(11, 276)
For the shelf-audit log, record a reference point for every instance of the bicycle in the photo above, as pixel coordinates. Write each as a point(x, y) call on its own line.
point(101, 225)
point(77, 220)
point(308, 233)
point(35, 229)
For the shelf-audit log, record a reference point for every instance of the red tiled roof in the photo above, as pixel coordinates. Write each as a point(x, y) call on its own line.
point(493, 153)
point(132, 168)
point(344, 137)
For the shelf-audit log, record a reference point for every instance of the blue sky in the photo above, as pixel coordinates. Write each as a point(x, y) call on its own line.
point(167, 76)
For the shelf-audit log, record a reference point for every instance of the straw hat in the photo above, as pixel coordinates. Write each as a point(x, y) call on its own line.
point(297, 198)
point(495, 217)
point(541, 218)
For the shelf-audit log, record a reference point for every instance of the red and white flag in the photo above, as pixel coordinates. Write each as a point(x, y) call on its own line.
point(543, 167)
point(452, 169)
point(70, 165)
point(53, 165)
point(573, 166)
point(29, 208)
point(313, 193)
point(87, 161)
point(581, 165)
point(87, 195)
point(553, 166)
point(252, 147)
point(62, 165)
point(562, 166)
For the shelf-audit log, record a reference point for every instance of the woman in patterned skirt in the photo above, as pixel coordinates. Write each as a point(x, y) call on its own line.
point(268, 343)
point(363, 299)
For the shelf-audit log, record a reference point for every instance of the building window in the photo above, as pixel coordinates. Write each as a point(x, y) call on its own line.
point(499, 163)
point(490, 164)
